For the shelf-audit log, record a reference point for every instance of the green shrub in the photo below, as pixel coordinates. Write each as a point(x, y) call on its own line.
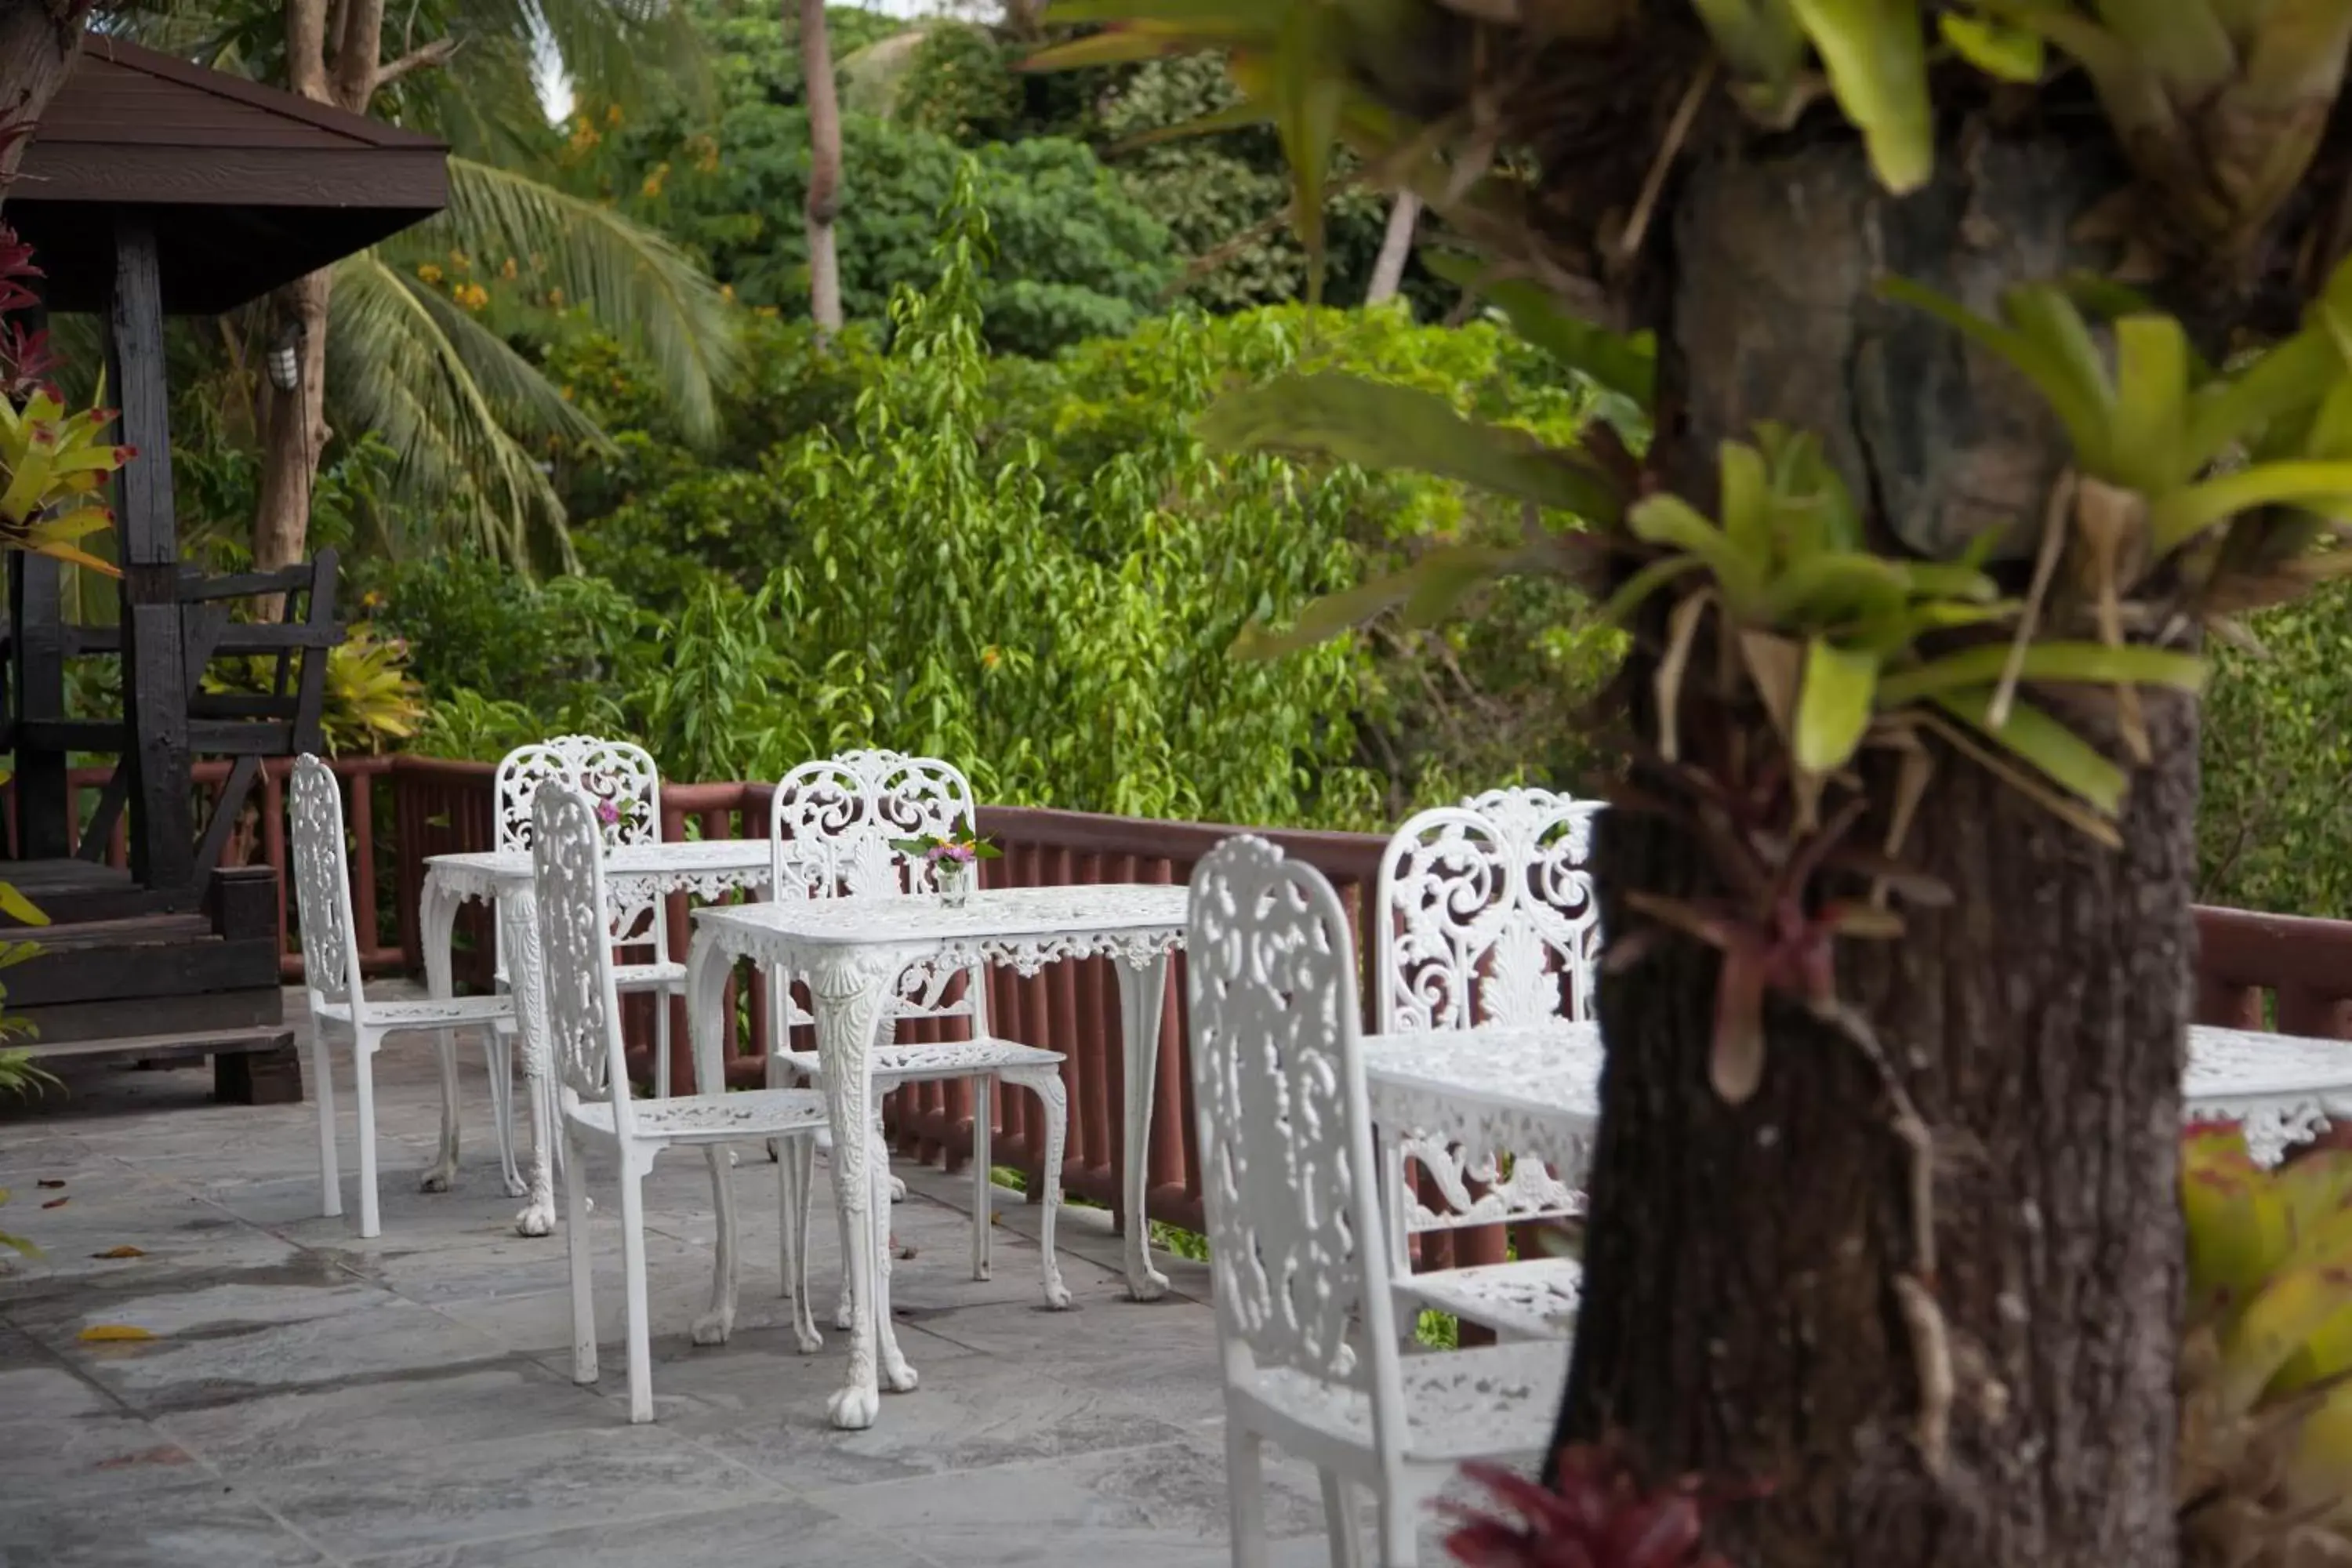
point(2272, 832)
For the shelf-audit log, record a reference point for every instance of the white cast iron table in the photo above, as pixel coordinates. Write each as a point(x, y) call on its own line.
point(851, 953)
point(1537, 1088)
point(707, 867)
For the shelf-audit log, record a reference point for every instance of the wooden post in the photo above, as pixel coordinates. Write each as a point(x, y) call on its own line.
point(154, 675)
point(44, 801)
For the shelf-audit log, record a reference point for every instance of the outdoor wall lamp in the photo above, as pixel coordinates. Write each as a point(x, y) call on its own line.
point(286, 358)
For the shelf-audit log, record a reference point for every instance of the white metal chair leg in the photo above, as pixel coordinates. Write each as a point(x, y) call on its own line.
point(322, 1075)
point(1245, 1494)
point(499, 1042)
point(633, 1255)
point(661, 1045)
point(1400, 1528)
point(363, 1099)
point(1045, 1083)
point(584, 1269)
point(796, 1173)
point(983, 1167)
point(1340, 1521)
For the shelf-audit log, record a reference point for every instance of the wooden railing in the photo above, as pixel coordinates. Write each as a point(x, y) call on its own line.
point(2287, 972)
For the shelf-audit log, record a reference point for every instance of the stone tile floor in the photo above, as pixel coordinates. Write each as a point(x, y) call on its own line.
point(310, 1398)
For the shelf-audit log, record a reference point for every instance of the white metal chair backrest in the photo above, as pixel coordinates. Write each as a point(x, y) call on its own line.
point(322, 888)
point(1486, 914)
point(583, 1011)
point(829, 836)
point(624, 790)
point(1287, 1176)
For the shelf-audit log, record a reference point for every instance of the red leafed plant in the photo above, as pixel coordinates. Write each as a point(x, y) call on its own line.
point(1597, 1514)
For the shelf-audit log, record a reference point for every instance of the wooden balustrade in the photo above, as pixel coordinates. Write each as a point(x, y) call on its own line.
point(2289, 973)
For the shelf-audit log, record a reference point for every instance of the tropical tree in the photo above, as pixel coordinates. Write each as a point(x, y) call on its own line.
point(824, 169)
point(38, 39)
point(394, 338)
point(1965, 430)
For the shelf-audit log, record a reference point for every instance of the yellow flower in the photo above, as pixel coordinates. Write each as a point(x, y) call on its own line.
point(457, 260)
point(472, 296)
point(653, 186)
point(507, 271)
point(430, 273)
point(565, 393)
point(555, 298)
point(612, 115)
point(727, 291)
point(990, 657)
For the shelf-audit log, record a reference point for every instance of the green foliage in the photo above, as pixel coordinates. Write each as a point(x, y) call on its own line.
point(960, 84)
point(2272, 831)
point(469, 623)
point(1223, 197)
point(1079, 256)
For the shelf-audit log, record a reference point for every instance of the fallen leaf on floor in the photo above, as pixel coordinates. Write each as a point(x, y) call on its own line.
point(56, 1202)
point(49, 1182)
point(110, 1333)
point(167, 1455)
point(121, 1252)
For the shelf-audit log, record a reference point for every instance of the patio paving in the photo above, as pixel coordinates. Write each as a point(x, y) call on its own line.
point(309, 1397)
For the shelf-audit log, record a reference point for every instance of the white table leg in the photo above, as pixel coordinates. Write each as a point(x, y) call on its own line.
point(850, 991)
point(526, 982)
point(1142, 992)
point(436, 920)
point(706, 999)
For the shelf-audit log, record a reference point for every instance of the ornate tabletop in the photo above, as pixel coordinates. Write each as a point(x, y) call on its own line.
point(706, 867)
point(1024, 929)
point(1538, 1088)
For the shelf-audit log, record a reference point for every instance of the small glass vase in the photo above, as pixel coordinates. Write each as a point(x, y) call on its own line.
point(956, 880)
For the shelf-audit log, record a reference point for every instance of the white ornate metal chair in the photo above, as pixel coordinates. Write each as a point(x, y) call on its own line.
point(620, 779)
point(339, 1005)
point(1486, 915)
point(594, 1105)
point(1295, 1248)
point(829, 835)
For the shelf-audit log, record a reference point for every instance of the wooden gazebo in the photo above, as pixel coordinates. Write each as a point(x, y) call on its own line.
point(154, 187)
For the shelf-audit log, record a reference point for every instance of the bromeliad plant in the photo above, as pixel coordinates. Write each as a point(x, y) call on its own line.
point(1597, 1514)
point(2265, 1459)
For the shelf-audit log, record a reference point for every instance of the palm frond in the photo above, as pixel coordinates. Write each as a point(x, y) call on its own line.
point(455, 404)
point(615, 51)
point(631, 281)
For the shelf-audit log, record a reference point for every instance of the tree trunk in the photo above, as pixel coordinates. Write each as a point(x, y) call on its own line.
point(294, 424)
point(1396, 250)
point(294, 432)
point(824, 169)
point(38, 39)
point(1741, 1315)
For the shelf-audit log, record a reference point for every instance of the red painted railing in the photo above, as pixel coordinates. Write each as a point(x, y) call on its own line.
point(2291, 972)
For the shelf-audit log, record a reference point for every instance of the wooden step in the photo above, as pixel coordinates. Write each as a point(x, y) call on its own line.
point(256, 1065)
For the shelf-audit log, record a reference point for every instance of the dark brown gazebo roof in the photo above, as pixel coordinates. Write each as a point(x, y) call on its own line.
point(246, 186)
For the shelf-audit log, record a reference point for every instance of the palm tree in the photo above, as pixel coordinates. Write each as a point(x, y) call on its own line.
point(468, 417)
point(824, 169)
point(1960, 305)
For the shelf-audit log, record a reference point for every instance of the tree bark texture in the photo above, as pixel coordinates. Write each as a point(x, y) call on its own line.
point(330, 58)
point(824, 169)
point(294, 430)
point(1741, 1314)
point(1396, 250)
point(38, 40)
